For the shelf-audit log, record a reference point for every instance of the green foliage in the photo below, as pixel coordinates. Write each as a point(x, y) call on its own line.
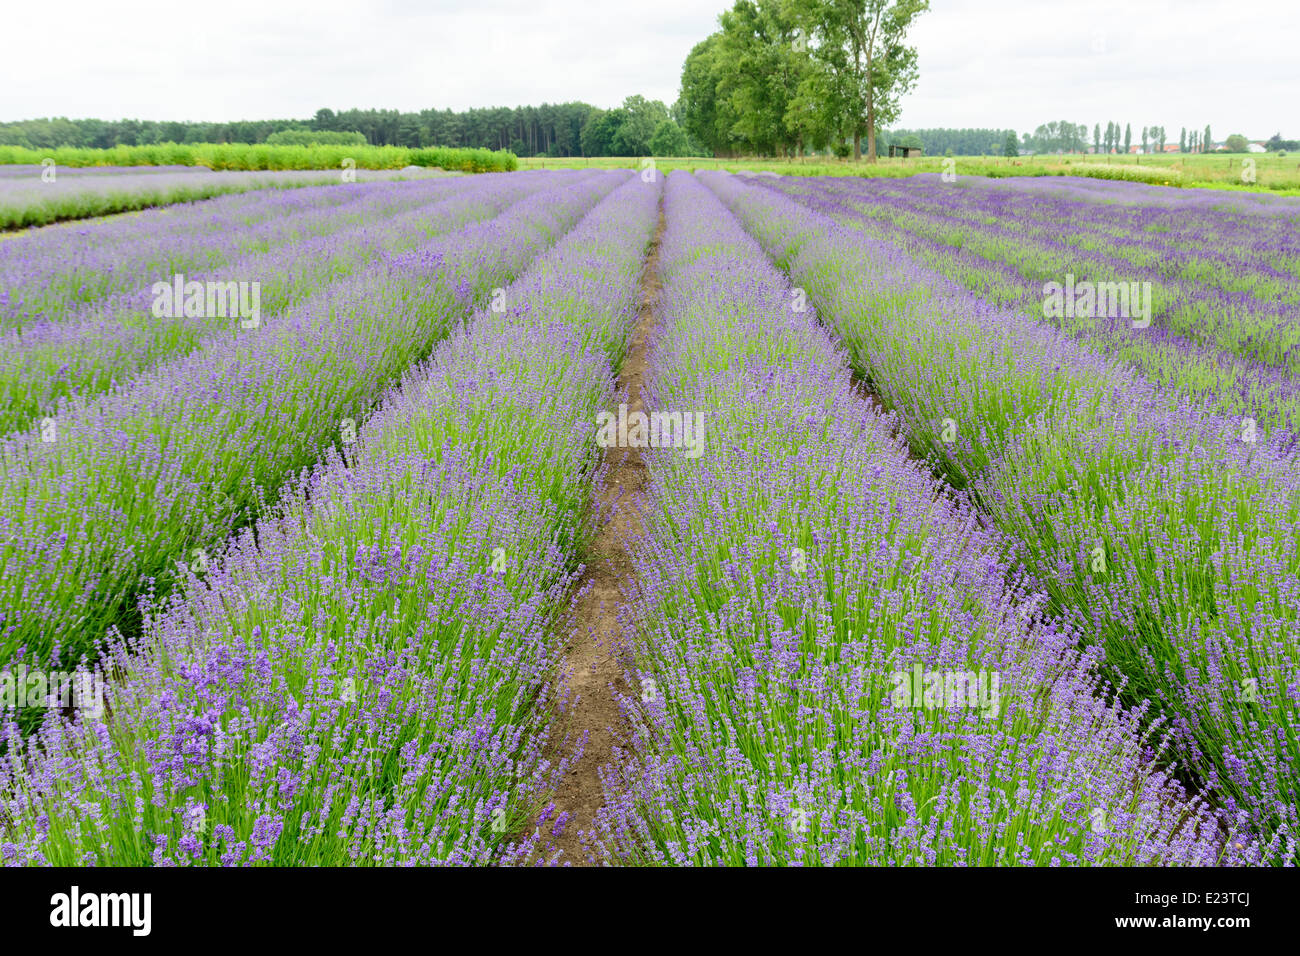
point(314, 137)
point(942, 141)
point(600, 132)
point(669, 140)
point(862, 51)
point(639, 119)
point(239, 156)
point(1059, 136)
point(1012, 146)
point(700, 112)
point(549, 128)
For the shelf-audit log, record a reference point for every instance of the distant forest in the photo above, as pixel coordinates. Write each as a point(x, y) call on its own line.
point(564, 129)
point(639, 127)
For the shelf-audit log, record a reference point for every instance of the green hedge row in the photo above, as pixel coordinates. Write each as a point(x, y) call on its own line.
point(262, 156)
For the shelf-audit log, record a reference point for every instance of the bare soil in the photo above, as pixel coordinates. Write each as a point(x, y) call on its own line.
point(592, 653)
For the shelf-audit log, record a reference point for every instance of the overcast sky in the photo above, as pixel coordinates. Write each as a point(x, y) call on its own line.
point(1000, 63)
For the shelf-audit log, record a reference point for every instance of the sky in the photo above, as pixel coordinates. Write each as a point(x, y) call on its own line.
point(984, 63)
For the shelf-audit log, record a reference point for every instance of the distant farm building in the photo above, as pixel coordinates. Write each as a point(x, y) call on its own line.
point(904, 152)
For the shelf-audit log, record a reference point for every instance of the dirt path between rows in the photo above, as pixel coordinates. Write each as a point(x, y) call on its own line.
point(591, 661)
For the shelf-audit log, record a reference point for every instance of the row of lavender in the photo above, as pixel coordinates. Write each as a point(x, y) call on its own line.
point(1168, 537)
point(51, 273)
point(1209, 264)
point(1224, 284)
point(35, 195)
point(802, 587)
point(87, 347)
point(358, 682)
point(119, 494)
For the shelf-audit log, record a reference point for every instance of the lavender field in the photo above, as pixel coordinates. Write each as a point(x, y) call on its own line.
point(620, 518)
point(33, 195)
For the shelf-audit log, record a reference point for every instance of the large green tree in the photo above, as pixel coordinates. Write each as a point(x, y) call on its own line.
point(704, 116)
point(669, 140)
point(861, 45)
point(600, 132)
point(764, 59)
point(641, 117)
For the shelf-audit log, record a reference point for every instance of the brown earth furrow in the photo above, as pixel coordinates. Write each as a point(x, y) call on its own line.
point(591, 661)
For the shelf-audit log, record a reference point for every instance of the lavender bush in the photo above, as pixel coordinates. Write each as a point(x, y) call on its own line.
point(27, 200)
point(1159, 530)
point(790, 574)
point(356, 683)
point(112, 339)
point(138, 479)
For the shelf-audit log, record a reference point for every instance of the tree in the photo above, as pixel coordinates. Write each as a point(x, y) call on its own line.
point(669, 140)
point(955, 142)
point(600, 132)
point(1128, 136)
point(1096, 138)
point(762, 65)
point(700, 112)
point(1145, 131)
point(1012, 145)
point(1208, 141)
point(1237, 143)
point(868, 65)
point(640, 119)
point(1060, 136)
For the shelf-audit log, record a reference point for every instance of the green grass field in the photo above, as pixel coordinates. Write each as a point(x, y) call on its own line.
point(245, 157)
point(1273, 173)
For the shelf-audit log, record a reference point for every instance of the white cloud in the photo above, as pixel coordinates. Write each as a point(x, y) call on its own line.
point(1001, 63)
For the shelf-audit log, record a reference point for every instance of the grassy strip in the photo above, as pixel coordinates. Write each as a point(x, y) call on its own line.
point(1275, 174)
point(244, 156)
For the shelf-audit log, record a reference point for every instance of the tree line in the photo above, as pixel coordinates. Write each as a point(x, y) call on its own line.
point(636, 128)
